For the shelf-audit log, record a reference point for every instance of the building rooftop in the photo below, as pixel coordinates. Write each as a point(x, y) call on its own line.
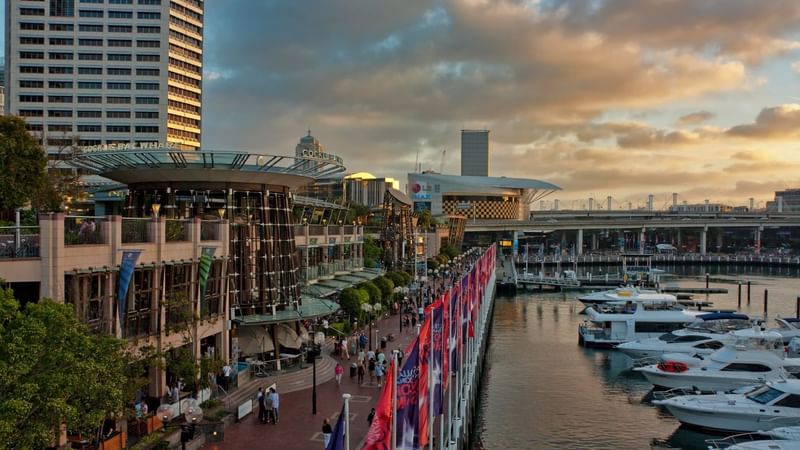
point(491, 182)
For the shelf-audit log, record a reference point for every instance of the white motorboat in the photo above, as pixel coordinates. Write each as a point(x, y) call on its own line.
point(625, 294)
point(772, 405)
point(707, 334)
point(617, 322)
point(781, 438)
point(753, 357)
point(788, 327)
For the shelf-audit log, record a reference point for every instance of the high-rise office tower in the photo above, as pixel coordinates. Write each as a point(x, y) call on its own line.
point(475, 152)
point(94, 72)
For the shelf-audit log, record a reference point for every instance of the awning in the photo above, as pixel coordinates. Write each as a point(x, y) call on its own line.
point(317, 290)
point(287, 337)
point(253, 340)
point(312, 307)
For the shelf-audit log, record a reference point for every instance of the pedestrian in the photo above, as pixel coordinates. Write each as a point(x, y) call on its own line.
point(371, 416)
point(360, 373)
point(362, 341)
point(227, 371)
point(381, 357)
point(262, 406)
point(379, 374)
point(371, 354)
point(383, 343)
point(275, 405)
point(361, 355)
point(345, 353)
point(326, 432)
point(338, 371)
point(399, 358)
point(413, 321)
point(371, 370)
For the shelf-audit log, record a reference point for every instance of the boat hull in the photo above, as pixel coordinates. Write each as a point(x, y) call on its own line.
point(691, 380)
point(718, 420)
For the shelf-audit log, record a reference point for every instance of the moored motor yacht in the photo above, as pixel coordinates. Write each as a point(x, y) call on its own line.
point(781, 438)
point(772, 405)
point(788, 327)
point(707, 334)
point(616, 322)
point(753, 357)
point(625, 294)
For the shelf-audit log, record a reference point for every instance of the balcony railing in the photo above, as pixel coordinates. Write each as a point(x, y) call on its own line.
point(135, 230)
point(19, 242)
point(177, 230)
point(209, 230)
point(83, 230)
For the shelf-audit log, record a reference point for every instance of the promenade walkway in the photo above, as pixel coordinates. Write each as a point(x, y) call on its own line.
point(298, 429)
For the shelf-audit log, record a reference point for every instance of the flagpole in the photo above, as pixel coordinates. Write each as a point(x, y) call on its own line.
point(394, 400)
point(346, 398)
point(430, 383)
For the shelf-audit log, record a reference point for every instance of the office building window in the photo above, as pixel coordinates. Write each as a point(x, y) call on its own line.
point(59, 84)
point(117, 85)
point(59, 127)
point(119, 43)
point(91, 13)
point(60, 70)
point(31, 113)
point(149, 2)
point(90, 128)
point(31, 83)
point(90, 27)
point(90, 99)
point(31, 55)
point(90, 70)
point(148, 72)
point(61, 27)
point(148, 58)
point(89, 142)
point(119, 57)
point(62, 8)
point(59, 113)
point(31, 26)
point(90, 42)
point(118, 71)
point(117, 100)
point(31, 11)
point(59, 142)
point(34, 127)
point(145, 29)
point(90, 114)
point(90, 85)
point(120, 2)
point(147, 114)
point(100, 2)
point(120, 15)
point(147, 15)
point(120, 29)
point(26, 40)
point(118, 128)
point(146, 129)
point(25, 98)
point(146, 100)
point(147, 86)
point(118, 114)
point(60, 55)
point(31, 69)
point(90, 56)
point(59, 99)
point(148, 44)
point(62, 41)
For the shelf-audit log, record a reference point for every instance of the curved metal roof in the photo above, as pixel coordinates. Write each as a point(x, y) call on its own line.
point(141, 165)
point(495, 182)
point(400, 196)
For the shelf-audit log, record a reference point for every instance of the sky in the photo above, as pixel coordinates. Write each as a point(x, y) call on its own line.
point(602, 97)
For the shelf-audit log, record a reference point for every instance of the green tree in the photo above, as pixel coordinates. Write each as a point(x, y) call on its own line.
point(53, 371)
point(386, 286)
point(375, 294)
point(396, 278)
point(450, 250)
point(424, 219)
point(23, 177)
point(433, 264)
point(358, 212)
point(351, 299)
point(372, 252)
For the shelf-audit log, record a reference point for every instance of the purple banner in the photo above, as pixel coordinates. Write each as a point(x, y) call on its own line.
point(407, 418)
point(437, 356)
point(452, 342)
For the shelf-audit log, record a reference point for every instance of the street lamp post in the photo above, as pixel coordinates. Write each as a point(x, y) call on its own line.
point(319, 339)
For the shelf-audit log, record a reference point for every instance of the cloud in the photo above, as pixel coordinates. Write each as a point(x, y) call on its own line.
point(695, 118)
point(776, 122)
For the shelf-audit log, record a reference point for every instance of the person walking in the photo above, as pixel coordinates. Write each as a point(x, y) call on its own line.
point(268, 407)
point(371, 370)
point(275, 405)
point(345, 353)
point(379, 374)
point(338, 370)
point(262, 406)
point(326, 433)
point(371, 416)
point(227, 371)
point(360, 373)
point(362, 341)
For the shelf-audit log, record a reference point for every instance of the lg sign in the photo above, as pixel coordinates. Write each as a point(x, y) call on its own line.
point(416, 188)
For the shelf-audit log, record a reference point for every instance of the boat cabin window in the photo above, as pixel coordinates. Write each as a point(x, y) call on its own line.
point(745, 367)
point(658, 327)
point(791, 400)
point(753, 343)
point(690, 338)
point(721, 326)
point(667, 337)
point(764, 395)
point(714, 345)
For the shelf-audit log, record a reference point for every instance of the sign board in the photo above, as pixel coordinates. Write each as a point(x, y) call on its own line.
point(464, 205)
point(130, 146)
point(505, 243)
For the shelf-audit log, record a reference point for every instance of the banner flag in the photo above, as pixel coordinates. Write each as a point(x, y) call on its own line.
point(129, 258)
point(407, 414)
point(437, 357)
point(379, 436)
point(445, 340)
point(205, 267)
point(337, 438)
point(452, 342)
point(424, 377)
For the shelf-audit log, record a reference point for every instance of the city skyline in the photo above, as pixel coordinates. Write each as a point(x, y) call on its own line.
point(617, 98)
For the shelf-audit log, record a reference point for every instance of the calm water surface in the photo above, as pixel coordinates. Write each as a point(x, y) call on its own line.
point(543, 391)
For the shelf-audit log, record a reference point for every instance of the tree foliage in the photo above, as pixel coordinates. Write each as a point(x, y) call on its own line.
point(386, 286)
point(450, 250)
point(374, 292)
point(396, 277)
point(372, 252)
point(23, 162)
point(53, 371)
point(351, 299)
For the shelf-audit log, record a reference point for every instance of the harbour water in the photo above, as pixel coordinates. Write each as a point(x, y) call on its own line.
point(541, 390)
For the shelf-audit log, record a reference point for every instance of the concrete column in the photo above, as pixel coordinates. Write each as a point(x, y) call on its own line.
point(594, 241)
point(719, 240)
point(51, 250)
point(678, 239)
point(642, 240)
point(757, 241)
point(579, 242)
point(703, 237)
point(608, 201)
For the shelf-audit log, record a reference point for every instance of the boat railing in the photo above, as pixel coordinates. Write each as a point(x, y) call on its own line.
point(587, 330)
point(674, 392)
point(646, 361)
point(736, 439)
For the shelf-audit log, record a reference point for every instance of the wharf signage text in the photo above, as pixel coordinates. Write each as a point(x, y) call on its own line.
point(129, 146)
point(321, 156)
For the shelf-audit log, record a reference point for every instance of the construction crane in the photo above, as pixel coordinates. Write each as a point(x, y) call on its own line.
point(441, 166)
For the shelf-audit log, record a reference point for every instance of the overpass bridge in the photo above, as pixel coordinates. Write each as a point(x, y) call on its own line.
point(641, 221)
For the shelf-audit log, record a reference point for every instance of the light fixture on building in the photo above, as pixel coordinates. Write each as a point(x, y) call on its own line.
point(221, 212)
point(156, 207)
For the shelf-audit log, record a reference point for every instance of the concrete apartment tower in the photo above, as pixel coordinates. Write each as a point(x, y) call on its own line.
point(106, 71)
point(475, 153)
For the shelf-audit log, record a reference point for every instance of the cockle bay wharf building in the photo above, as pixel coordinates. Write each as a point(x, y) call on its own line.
point(269, 274)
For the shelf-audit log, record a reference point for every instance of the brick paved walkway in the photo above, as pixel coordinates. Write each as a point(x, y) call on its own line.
point(298, 429)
